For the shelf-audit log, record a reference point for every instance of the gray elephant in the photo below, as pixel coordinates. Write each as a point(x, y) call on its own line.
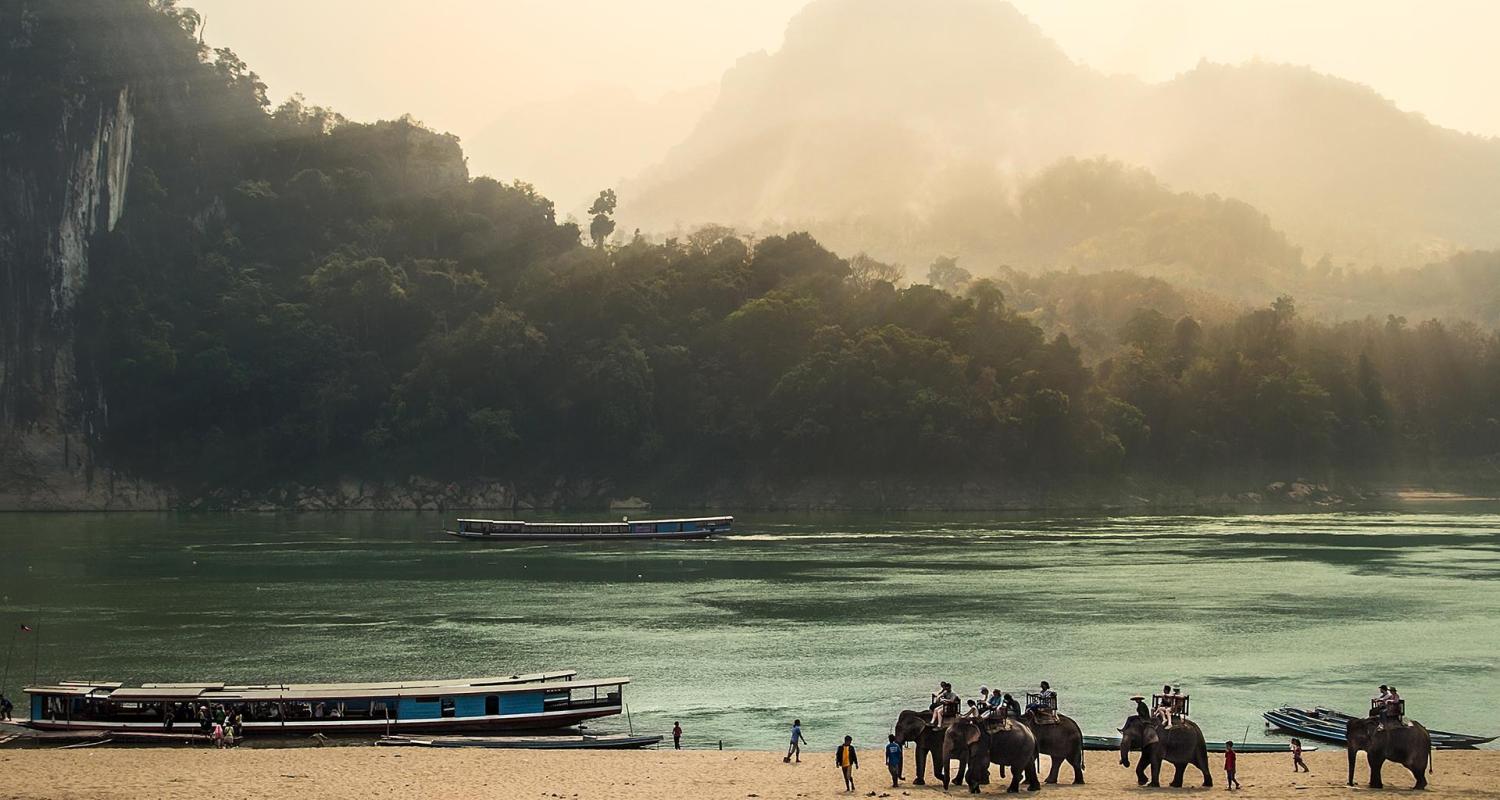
point(916, 727)
point(1181, 745)
point(977, 745)
point(1408, 745)
point(1060, 741)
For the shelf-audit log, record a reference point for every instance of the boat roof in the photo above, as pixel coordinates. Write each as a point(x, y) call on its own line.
point(603, 522)
point(328, 691)
point(501, 680)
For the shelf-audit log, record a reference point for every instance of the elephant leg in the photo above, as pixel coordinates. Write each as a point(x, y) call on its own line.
point(1056, 765)
point(1419, 771)
point(1376, 762)
point(1140, 770)
point(1077, 763)
point(922, 764)
point(1208, 778)
point(1031, 774)
point(1177, 775)
point(1015, 780)
point(1351, 767)
point(1156, 772)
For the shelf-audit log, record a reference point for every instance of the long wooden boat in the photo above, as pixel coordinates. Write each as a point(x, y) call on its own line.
point(1330, 725)
point(585, 742)
point(1113, 743)
point(543, 701)
point(513, 530)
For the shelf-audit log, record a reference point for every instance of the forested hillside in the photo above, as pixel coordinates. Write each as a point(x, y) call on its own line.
point(292, 296)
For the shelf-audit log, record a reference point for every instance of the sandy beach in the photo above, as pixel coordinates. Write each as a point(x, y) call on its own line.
point(334, 773)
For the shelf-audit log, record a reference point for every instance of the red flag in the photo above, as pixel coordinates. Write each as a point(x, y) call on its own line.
point(25, 628)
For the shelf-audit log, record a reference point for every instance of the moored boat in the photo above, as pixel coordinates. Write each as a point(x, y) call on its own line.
point(1329, 725)
point(584, 742)
point(544, 701)
point(1113, 743)
point(514, 530)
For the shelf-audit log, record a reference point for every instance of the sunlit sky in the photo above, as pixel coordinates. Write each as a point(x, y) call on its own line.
point(457, 64)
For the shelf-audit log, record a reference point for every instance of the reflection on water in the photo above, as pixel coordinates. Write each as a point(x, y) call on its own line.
point(841, 620)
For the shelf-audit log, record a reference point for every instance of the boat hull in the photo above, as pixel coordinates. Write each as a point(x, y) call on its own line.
point(552, 720)
point(576, 537)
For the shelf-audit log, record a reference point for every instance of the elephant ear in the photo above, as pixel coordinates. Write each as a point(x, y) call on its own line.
point(1151, 735)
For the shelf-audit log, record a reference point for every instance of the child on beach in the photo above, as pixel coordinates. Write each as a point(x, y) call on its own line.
point(797, 742)
point(848, 761)
point(677, 736)
point(1297, 761)
point(1229, 766)
point(893, 760)
point(218, 734)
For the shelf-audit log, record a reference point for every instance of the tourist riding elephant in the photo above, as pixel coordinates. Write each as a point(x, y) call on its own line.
point(977, 745)
point(1060, 741)
point(916, 727)
point(1182, 744)
point(1408, 745)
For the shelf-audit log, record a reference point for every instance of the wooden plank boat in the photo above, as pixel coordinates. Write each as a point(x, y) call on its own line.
point(1330, 726)
point(515, 703)
point(513, 530)
point(608, 742)
point(1113, 743)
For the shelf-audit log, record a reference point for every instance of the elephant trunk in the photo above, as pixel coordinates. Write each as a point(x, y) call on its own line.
point(1124, 751)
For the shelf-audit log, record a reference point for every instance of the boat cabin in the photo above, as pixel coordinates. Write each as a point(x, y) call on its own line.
point(534, 702)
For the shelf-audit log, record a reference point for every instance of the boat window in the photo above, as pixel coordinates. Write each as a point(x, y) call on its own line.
point(491, 705)
point(447, 707)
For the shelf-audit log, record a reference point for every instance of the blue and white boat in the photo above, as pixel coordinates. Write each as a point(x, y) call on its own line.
point(542, 701)
point(513, 530)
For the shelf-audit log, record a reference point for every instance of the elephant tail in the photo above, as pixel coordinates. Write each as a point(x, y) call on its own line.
point(1080, 754)
point(1431, 762)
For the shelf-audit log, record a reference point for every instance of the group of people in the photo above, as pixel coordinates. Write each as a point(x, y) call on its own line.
point(845, 757)
point(223, 724)
point(1387, 704)
point(997, 705)
point(1171, 703)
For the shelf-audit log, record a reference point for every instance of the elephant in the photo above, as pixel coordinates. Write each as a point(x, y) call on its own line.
point(1408, 745)
point(916, 727)
point(1181, 745)
point(976, 745)
point(1060, 741)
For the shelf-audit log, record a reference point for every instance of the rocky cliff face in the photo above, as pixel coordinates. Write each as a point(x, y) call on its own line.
point(65, 157)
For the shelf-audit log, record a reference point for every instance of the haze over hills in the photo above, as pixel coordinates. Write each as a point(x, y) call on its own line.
point(882, 119)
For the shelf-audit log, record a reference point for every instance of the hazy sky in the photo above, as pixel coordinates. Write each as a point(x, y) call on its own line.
point(456, 64)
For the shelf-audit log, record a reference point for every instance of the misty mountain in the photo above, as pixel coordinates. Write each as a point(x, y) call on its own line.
point(890, 117)
point(575, 145)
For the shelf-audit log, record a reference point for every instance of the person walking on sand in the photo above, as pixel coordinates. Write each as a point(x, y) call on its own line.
point(1229, 767)
point(1297, 762)
point(893, 760)
point(677, 736)
point(797, 742)
point(848, 761)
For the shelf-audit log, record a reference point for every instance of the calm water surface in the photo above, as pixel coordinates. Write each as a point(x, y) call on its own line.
point(840, 620)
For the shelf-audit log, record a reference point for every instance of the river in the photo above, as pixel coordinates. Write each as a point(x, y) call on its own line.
point(840, 620)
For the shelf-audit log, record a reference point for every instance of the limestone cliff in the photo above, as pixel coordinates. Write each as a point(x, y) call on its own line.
point(65, 157)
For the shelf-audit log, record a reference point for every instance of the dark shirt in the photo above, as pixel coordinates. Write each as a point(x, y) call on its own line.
point(1229, 761)
point(1141, 710)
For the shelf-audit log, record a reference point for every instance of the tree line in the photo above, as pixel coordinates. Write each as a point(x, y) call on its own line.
point(292, 295)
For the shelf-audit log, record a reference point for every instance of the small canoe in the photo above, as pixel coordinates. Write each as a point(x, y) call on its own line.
point(1330, 725)
point(1113, 743)
point(616, 742)
point(625, 530)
